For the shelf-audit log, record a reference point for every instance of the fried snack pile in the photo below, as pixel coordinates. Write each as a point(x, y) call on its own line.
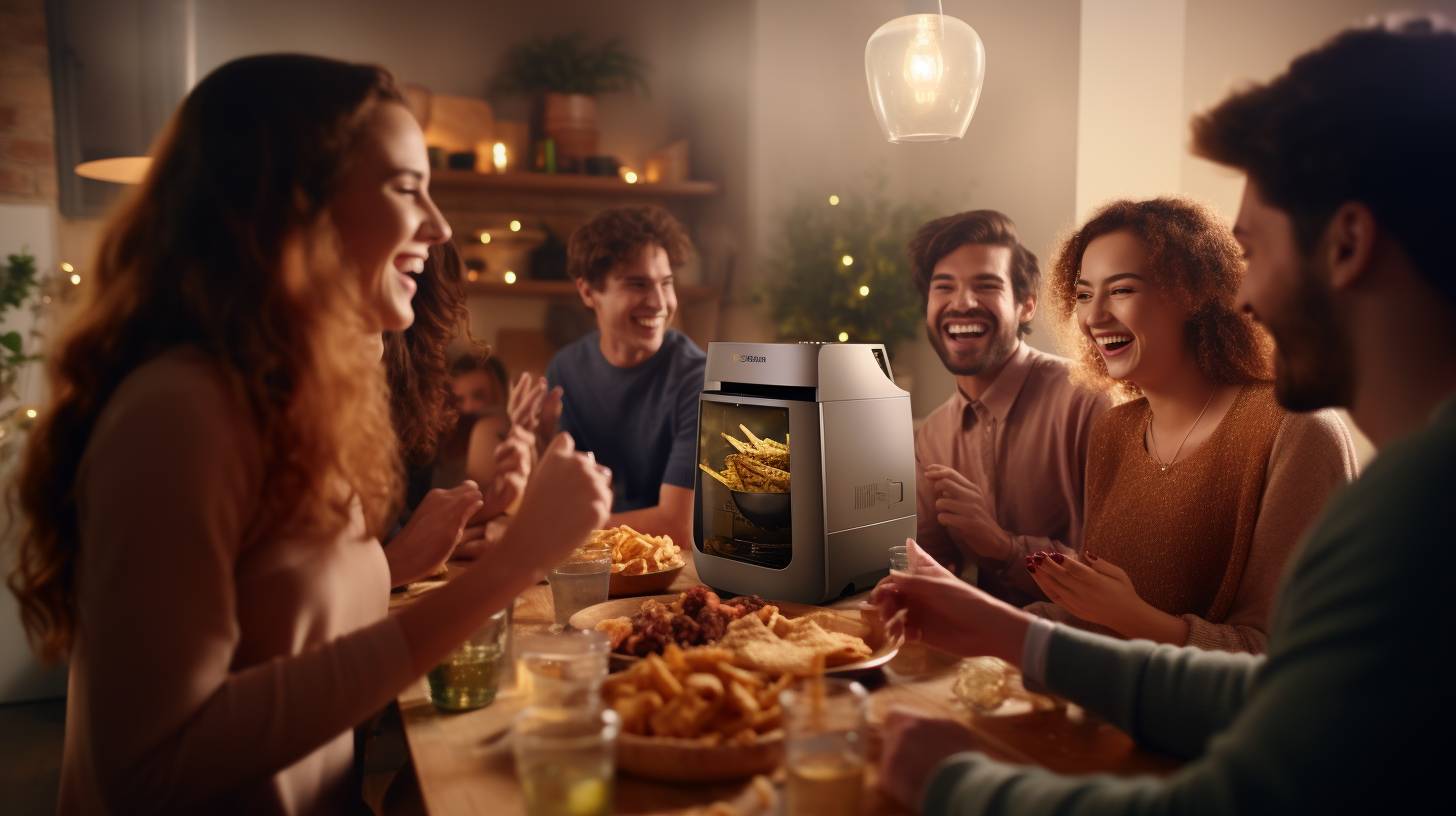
point(770, 642)
point(755, 633)
point(635, 553)
point(985, 683)
point(697, 694)
point(698, 617)
point(759, 466)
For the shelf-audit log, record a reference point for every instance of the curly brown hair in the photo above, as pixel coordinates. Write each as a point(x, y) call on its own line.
point(943, 236)
point(615, 236)
point(416, 361)
point(227, 247)
point(1194, 260)
point(1352, 121)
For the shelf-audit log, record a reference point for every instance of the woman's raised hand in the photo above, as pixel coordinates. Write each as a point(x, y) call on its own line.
point(569, 495)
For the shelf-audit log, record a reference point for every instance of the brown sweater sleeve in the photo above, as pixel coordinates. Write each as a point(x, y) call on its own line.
point(1313, 455)
point(167, 495)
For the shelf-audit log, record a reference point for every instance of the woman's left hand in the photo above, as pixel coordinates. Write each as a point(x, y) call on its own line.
point(433, 530)
point(1094, 590)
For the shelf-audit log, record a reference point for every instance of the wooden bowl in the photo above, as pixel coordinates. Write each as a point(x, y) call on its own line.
point(684, 760)
point(648, 583)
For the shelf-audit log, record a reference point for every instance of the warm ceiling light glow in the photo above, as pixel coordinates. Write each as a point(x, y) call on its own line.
point(75, 280)
point(67, 268)
point(510, 277)
point(834, 201)
point(847, 260)
point(864, 291)
point(121, 170)
point(485, 237)
point(515, 225)
point(844, 337)
point(925, 73)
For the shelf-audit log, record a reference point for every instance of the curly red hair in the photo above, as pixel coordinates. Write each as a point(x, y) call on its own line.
point(227, 247)
point(1195, 260)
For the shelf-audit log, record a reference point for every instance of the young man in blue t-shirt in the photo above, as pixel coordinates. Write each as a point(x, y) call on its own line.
point(628, 392)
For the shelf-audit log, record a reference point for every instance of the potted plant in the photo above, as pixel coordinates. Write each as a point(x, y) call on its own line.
point(567, 73)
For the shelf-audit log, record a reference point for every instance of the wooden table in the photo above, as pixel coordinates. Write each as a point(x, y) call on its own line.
point(464, 766)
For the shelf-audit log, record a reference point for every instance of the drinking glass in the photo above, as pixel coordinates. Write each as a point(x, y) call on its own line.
point(566, 764)
point(824, 747)
point(563, 672)
point(579, 583)
point(469, 676)
point(900, 558)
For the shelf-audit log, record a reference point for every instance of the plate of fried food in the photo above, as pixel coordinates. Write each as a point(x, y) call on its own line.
point(693, 715)
point(757, 476)
point(770, 637)
point(641, 563)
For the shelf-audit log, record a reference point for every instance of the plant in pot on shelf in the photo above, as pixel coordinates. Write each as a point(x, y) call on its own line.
point(841, 272)
point(566, 73)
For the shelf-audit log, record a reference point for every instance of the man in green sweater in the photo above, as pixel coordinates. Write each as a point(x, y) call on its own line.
point(1346, 223)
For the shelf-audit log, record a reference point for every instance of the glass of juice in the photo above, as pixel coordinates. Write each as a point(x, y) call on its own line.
point(824, 747)
point(469, 676)
point(580, 582)
point(566, 763)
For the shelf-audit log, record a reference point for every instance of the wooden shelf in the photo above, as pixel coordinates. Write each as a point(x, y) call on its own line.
point(566, 290)
point(566, 184)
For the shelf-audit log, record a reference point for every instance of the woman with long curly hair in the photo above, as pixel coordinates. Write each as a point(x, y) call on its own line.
point(205, 491)
point(1199, 487)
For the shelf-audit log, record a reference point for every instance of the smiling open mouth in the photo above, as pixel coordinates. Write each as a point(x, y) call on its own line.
point(967, 330)
point(1114, 342)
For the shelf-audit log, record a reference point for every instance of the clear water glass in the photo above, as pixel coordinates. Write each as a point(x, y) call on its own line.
point(566, 765)
point(577, 584)
point(562, 672)
point(900, 558)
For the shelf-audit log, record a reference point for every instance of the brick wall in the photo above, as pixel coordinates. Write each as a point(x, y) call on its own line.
point(27, 123)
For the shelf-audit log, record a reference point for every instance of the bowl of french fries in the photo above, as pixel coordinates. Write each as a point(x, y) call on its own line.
point(641, 564)
point(691, 715)
point(757, 476)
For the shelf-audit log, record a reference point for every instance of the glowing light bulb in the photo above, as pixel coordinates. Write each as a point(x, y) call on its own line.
point(31, 413)
point(924, 65)
point(515, 225)
point(485, 237)
point(834, 201)
point(844, 337)
point(847, 260)
point(630, 176)
point(75, 280)
point(864, 291)
point(67, 268)
point(472, 276)
point(498, 156)
point(509, 277)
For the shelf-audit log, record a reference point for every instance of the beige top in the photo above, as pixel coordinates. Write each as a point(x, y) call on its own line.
point(213, 670)
point(1025, 443)
point(1208, 538)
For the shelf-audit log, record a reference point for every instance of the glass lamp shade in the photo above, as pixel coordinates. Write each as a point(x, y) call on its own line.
point(925, 73)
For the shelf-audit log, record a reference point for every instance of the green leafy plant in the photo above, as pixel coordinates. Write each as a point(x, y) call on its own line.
point(571, 65)
point(18, 281)
point(872, 299)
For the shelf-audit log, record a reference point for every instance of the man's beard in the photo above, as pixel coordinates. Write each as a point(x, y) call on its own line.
point(998, 347)
point(1312, 355)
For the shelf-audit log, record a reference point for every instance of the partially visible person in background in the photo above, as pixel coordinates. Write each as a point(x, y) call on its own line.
point(479, 384)
point(628, 392)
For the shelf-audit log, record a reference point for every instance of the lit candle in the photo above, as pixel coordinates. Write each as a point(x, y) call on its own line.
point(498, 156)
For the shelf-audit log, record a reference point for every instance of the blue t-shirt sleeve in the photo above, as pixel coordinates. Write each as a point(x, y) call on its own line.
point(680, 462)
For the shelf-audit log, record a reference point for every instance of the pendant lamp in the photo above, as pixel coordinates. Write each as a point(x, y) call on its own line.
point(925, 73)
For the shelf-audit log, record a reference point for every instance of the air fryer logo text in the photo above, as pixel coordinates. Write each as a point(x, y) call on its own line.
point(749, 358)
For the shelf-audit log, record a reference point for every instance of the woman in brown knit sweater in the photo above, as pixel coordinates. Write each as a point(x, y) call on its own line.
point(1200, 486)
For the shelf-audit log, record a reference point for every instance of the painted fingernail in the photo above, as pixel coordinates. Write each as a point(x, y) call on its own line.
point(1039, 557)
point(1030, 568)
point(1058, 557)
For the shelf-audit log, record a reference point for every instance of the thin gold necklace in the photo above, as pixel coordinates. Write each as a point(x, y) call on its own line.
point(1153, 437)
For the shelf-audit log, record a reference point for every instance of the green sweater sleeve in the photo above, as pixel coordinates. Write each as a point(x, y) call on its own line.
point(1340, 715)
